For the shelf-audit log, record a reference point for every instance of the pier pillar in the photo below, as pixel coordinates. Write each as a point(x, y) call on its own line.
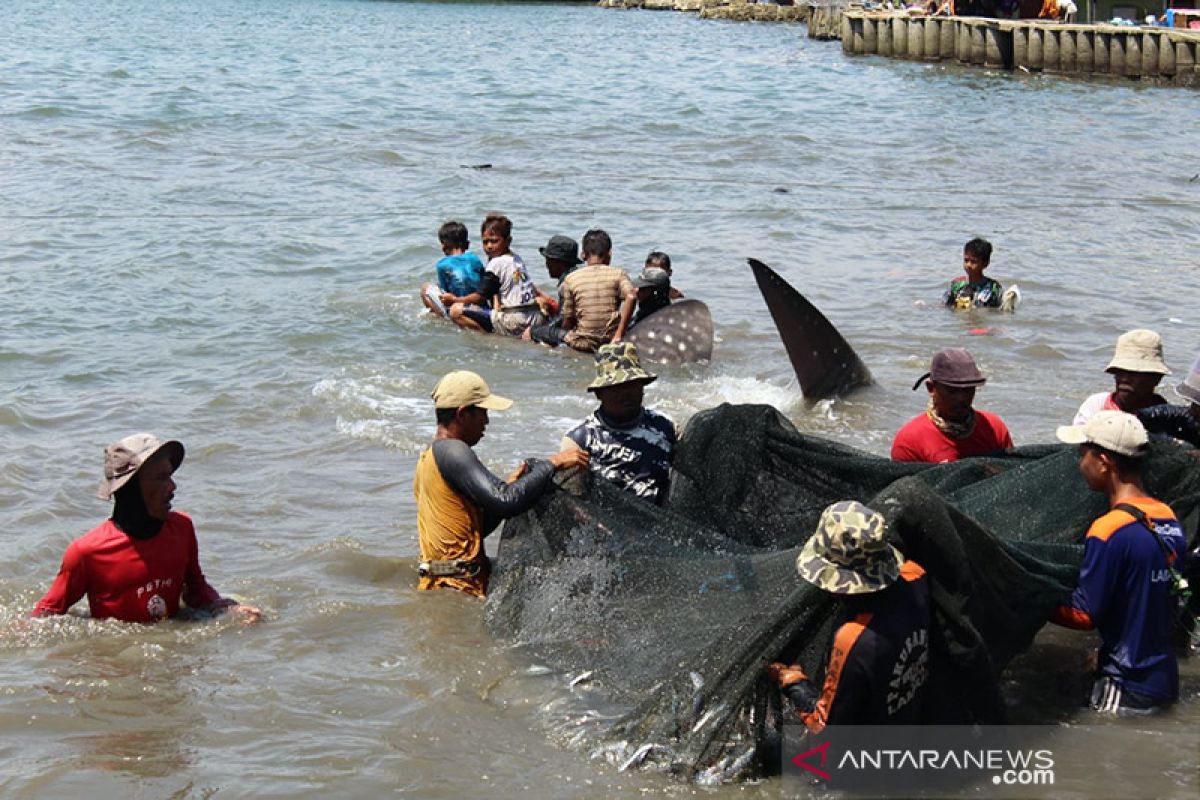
point(1166, 55)
point(998, 47)
point(933, 39)
point(1035, 47)
point(1084, 61)
point(1050, 49)
point(978, 45)
point(900, 36)
point(1185, 63)
point(962, 42)
point(1021, 46)
point(948, 31)
point(1066, 51)
point(1101, 53)
point(1150, 55)
point(870, 35)
point(916, 38)
point(1133, 54)
point(884, 35)
point(1116, 54)
point(847, 35)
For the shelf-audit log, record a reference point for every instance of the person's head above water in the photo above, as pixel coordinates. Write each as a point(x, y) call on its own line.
point(849, 554)
point(952, 380)
point(1137, 366)
point(597, 246)
point(496, 235)
point(137, 477)
point(620, 382)
point(977, 254)
point(658, 260)
point(461, 401)
point(453, 237)
point(561, 253)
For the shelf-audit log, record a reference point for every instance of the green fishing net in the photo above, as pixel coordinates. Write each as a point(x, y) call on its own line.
point(674, 611)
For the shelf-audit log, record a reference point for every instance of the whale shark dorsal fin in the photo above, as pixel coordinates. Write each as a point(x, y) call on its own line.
point(825, 363)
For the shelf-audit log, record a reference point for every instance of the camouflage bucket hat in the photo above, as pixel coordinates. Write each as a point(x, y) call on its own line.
point(616, 364)
point(848, 553)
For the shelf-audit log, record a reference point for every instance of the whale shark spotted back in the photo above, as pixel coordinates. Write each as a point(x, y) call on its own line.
point(681, 333)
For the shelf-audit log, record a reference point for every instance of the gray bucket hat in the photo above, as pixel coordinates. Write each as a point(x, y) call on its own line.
point(1189, 389)
point(122, 459)
point(652, 278)
point(561, 248)
point(849, 554)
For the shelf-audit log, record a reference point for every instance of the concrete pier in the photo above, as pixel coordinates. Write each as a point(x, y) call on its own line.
point(1164, 55)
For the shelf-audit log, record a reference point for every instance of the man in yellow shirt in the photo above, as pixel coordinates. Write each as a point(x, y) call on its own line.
point(459, 500)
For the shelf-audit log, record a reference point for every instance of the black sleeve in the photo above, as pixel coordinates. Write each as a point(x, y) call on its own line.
point(489, 284)
point(498, 500)
point(1174, 421)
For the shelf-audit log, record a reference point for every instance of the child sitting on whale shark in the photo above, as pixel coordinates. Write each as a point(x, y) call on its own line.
point(505, 284)
point(458, 271)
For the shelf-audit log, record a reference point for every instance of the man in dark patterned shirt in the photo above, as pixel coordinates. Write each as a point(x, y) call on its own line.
point(628, 444)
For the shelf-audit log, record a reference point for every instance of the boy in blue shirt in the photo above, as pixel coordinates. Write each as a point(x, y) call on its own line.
point(1126, 579)
point(458, 271)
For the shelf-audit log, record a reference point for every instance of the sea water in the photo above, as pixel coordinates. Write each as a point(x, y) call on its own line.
point(215, 218)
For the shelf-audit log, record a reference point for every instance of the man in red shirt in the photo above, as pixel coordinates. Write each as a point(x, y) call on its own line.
point(950, 428)
point(139, 564)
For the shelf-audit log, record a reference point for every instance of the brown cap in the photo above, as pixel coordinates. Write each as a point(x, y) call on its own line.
point(953, 366)
point(123, 459)
point(463, 388)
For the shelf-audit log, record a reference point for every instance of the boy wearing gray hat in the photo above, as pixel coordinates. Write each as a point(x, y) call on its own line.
point(562, 258)
point(1125, 583)
point(950, 428)
point(138, 565)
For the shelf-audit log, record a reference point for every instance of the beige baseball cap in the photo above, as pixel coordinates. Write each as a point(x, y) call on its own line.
point(464, 388)
point(1139, 351)
point(122, 459)
point(1113, 430)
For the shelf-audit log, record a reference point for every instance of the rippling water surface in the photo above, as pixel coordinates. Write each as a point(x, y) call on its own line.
point(215, 218)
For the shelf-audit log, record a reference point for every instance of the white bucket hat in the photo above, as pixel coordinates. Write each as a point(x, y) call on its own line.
point(1139, 351)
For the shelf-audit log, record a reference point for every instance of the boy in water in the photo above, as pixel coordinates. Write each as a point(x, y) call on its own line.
point(660, 260)
point(974, 290)
point(458, 271)
point(505, 284)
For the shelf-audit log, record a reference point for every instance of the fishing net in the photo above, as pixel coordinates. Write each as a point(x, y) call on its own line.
point(674, 611)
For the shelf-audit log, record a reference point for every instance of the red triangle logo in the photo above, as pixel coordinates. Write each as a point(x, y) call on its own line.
point(823, 749)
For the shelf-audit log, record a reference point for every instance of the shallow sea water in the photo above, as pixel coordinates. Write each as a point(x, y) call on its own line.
point(215, 217)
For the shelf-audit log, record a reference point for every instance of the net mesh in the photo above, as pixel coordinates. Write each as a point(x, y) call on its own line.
point(676, 610)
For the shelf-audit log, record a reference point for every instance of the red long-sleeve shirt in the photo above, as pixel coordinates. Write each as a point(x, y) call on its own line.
point(134, 580)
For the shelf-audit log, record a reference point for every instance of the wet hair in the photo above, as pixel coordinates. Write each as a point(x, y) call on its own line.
point(454, 234)
point(596, 243)
point(498, 223)
point(980, 248)
point(659, 259)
